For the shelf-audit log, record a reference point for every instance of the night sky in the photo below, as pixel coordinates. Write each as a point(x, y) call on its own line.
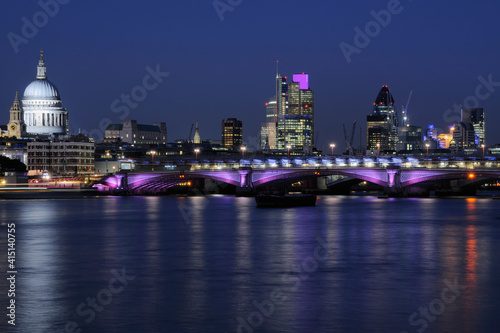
point(95, 51)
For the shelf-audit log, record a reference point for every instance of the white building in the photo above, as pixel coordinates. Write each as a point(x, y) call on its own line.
point(42, 109)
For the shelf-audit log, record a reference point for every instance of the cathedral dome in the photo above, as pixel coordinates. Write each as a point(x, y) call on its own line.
point(41, 90)
point(43, 113)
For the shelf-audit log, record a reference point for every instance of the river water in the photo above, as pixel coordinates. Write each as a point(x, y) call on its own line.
point(219, 264)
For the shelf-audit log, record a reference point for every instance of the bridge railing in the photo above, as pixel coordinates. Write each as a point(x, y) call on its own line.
point(325, 162)
point(343, 163)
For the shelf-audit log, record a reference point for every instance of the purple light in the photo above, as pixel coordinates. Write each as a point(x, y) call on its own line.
point(302, 79)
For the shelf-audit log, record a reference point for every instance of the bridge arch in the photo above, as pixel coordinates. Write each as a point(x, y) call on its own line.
point(376, 176)
point(412, 177)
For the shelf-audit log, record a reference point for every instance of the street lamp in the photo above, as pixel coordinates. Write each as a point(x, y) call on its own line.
point(483, 150)
point(107, 157)
point(427, 145)
point(288, 147)
point(378, 149)
point(196, 151)
point(152, 160)
point(332, 145)
point(243, 151)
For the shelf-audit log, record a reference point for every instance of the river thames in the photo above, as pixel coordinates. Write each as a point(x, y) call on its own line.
point(219, 264)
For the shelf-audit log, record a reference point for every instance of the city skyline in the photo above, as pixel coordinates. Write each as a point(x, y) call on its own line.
point(92, 77)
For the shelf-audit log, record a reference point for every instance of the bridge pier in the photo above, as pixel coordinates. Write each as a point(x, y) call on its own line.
point(394, 188)
point(245, 189)
point(122, 188)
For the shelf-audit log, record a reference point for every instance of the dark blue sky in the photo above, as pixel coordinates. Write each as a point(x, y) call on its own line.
point(96, 51)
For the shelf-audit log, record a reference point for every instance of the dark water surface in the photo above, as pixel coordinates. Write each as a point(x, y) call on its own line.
point(218, 264)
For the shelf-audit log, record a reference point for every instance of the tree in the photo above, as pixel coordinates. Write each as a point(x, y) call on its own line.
point(7, 164)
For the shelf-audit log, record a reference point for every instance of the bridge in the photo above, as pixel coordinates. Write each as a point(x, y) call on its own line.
point(395, 175)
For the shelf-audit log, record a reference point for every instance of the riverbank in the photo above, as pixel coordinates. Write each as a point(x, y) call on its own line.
point(46, 193)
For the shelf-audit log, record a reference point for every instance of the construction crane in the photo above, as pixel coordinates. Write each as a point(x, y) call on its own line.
point(349, 147)
point(360, 140)
point(405, 110)
point(190, 133)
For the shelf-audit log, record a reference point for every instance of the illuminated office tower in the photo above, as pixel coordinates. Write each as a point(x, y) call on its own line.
point(282, 96)
point(301, 100)
point(296, 131)
point(382, 124)
point(281, 108)
point(409, 138)
point(463, 137)
point(232, 133)
point(377, 132)
point(268, 129)
point(295, 121)
point(476, 118)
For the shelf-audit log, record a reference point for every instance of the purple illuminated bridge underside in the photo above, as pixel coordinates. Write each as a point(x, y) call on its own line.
point(247, 178)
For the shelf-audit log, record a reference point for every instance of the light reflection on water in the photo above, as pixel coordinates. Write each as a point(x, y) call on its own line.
point(201, 262)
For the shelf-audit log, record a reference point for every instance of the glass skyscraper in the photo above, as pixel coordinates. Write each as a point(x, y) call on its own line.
point(301, 100)
point(476, 118)
point(268, 129)
point(295, 131)
point(294, 115)
point(382, 124)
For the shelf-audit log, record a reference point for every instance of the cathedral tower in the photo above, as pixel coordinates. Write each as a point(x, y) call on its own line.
point(16, 126)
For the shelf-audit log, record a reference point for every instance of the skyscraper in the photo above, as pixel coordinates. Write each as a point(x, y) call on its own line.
point(268, 129)
point(281, 96)
point(232, 133)
point(382, 124)
point(301, 100)
point(463, 137)
point(377, 132)
point(476, 118)
point(409, 138)
point(289, 116)
point(295, 131)
point(281, 108)
point(295, 113)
